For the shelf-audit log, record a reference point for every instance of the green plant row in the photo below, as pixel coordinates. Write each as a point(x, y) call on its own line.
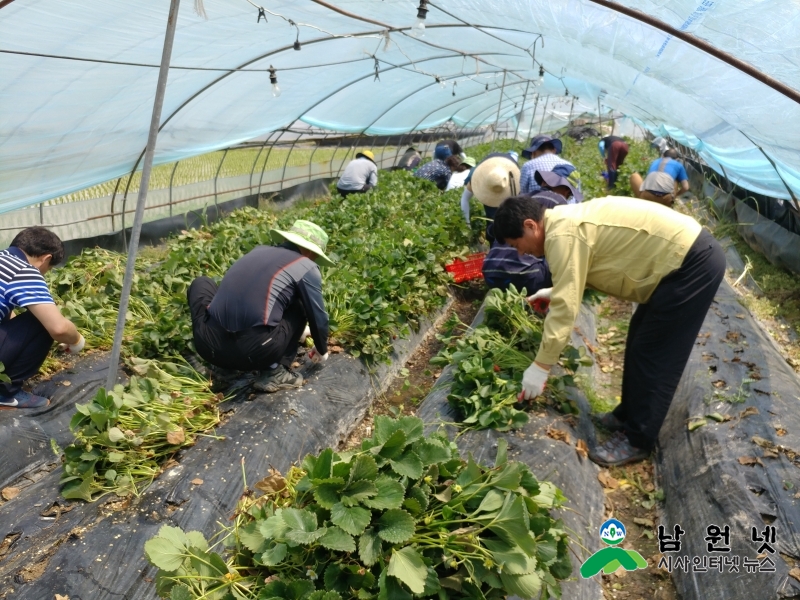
point(123, 437)
point(402, 517)
point(390, 246)
point(489, 362)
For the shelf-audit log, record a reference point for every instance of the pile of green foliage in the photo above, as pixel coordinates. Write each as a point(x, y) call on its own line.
point(123, 437)
point(404, 516)
point(489, 362)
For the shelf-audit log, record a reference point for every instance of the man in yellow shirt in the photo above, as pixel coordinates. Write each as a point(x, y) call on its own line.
point(637, 251)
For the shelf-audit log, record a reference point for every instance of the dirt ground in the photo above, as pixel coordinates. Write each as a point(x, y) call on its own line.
point(631, 491)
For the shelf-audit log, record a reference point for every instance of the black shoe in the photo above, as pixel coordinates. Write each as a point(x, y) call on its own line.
point(608, 421)
point(280, 378)
point(617, 451)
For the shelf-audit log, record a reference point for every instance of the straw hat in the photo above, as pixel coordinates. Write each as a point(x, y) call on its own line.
point(494, 180)
point(307, 235)
point(366, 154)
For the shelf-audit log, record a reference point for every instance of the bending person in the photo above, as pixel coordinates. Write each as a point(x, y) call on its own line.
point(360, 175)
point(637, 251)
point(254, 320)
point(26, 338)
point(614, 150)
point(662, 180)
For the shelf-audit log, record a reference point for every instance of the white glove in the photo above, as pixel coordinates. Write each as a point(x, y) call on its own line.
point(316, 357)
point(540, 301)
point(305, 334)
point(533, 380)
point(73, 348)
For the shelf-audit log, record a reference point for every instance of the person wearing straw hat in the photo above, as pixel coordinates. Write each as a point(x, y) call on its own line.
point(265, 305)
point(360, 175)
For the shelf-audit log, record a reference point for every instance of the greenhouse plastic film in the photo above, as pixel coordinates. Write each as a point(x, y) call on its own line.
point(741, 472)
point(69, 123)
point(779, 245)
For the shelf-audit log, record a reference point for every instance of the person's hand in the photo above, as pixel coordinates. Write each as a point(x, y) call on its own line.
point(533, 380)
point(316, 357)
point(540, 301)
point(305, 334)
point(73, 348)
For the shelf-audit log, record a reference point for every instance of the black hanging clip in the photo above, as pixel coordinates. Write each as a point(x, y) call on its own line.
point(261, 13)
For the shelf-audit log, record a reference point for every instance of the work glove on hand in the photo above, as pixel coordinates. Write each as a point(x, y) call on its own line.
point(533, 380)
point(305, 334)
point(316, 357)
point(73, 348)
point(540, 301)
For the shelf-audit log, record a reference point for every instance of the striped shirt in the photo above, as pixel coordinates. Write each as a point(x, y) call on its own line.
point(21, 284)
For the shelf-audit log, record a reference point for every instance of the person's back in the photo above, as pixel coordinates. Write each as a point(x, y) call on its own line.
point(626, 246)
point(672, 167)
point(258, 287)
point(436, 171)
point(410, 159)
point(360, 175)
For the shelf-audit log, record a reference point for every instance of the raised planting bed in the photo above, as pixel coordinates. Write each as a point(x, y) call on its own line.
point(551, 443)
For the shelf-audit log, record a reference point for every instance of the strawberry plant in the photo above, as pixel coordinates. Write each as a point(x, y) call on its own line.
point(403, 516)
point(122, 437)
point(490, 360)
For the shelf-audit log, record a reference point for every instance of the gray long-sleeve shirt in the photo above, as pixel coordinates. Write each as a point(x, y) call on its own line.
point(357, 174)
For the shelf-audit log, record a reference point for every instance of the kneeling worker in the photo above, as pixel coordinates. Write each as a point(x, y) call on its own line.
point(636, 251)
point(662, 179)
point(360, 175)
point(26, 339)
point(256, 317)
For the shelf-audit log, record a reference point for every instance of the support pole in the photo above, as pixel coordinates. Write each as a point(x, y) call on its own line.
point(544, 114)
point(127, 283)
point(499, 104)
point(522, 112)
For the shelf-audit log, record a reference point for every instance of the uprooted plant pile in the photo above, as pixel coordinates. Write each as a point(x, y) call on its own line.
point(123, 437)
point(489, 362)
point(404, 516)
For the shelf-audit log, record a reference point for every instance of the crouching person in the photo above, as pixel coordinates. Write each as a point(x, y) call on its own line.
point(26, 338)
point(254, 320)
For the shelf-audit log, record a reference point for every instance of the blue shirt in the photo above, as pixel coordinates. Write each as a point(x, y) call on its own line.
point(673, 168)
point(435, 171)
point(21, 284)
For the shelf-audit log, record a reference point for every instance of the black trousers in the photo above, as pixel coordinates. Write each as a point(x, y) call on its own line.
point(24, 344)
point(661, 337)
point(344, 193)
point(253, 349)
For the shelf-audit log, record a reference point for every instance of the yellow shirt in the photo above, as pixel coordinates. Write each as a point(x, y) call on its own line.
point(621, 246)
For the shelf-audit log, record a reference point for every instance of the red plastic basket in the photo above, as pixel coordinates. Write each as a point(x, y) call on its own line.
point(468, 269)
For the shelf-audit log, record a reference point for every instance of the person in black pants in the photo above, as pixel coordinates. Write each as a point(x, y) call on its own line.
point(26, 338)
point(254, 320)
point(637, 251)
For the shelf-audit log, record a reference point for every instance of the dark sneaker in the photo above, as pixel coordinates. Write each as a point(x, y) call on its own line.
point(617, 451)
point(278, 379)
point(608, 421)
point(23, 400)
